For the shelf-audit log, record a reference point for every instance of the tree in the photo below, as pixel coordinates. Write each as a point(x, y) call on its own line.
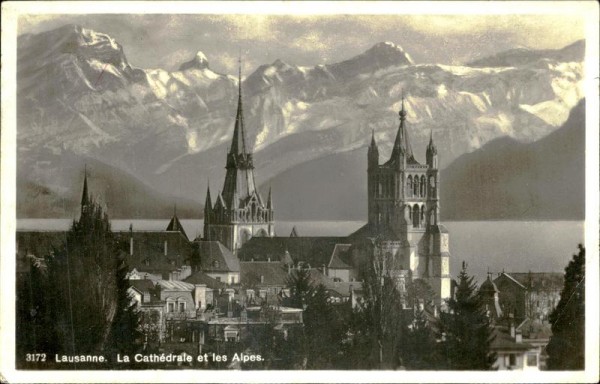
point(566, 349)
point(84, 287)
point(324, 331)
point(466, 331)
point(378, 325)
point(420, 349)
point(126, 330)
point(301, 287)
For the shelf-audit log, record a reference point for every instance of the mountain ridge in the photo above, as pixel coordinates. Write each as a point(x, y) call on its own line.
point(172, 126)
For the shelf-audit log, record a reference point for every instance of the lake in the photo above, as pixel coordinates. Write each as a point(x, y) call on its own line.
point(517, 246)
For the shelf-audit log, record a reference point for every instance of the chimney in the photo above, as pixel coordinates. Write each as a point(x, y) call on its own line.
point(165, 247)
point(262, 279)
point(323, 269)
point(131, 239)
point(519, 337)
point(268, 259)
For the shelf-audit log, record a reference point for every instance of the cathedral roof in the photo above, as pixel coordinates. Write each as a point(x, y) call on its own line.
point(372, 231)
point(315, 251)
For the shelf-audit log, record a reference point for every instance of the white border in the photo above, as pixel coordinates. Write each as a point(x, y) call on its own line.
point(10, 12)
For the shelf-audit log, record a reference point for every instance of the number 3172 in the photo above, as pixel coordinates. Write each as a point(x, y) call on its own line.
point(35, 357)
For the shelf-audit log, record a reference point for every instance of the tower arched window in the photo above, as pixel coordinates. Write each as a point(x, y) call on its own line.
point(409, 186)
point(416, 215)
point(423, 186)
point(416, 186)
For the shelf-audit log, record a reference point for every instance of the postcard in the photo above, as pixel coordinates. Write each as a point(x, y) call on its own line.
point(299, 191)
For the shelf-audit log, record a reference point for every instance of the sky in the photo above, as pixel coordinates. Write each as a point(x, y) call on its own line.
point(167, 40)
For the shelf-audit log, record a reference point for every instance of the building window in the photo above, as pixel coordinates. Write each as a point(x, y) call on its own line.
point(218, 278)
point(532, 360)
point(170, 307)
point(181, 306)
point(512, 359)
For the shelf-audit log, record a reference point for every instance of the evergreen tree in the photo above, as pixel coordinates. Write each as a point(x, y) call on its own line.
point(466, 331)
point(566, 349)
point(301, 287)
point(323, 331)
point(126, 333)
point(84, 287)
point(420, 350)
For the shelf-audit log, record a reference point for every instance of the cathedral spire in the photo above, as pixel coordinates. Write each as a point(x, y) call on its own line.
point(85, 198)
point(402, 143)
point(208, 201)
point(238, 144)
point(373, 143)
point(269, 200)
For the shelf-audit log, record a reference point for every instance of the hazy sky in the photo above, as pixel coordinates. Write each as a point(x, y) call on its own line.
point(166, 41)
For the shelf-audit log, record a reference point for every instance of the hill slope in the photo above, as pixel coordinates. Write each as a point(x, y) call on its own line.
point(505, 179)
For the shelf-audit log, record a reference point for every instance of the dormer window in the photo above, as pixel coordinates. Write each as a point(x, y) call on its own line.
point(215, 264)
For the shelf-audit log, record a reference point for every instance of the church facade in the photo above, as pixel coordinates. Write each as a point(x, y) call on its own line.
point(239, 211)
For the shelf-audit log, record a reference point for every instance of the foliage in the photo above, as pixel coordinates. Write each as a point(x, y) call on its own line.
point(466, 331)
point(420, 350)
point(379, 324)
point(324, 331)
point(566, 349)
point(126, 333)
point(88, 289)
point(301, 287)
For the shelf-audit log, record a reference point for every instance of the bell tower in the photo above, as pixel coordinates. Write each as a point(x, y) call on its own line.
point(403, 209)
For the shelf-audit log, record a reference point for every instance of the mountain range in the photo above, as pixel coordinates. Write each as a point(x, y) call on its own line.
point(79, 98)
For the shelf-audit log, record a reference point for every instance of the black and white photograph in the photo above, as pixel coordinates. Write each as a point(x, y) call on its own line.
point(300, 191)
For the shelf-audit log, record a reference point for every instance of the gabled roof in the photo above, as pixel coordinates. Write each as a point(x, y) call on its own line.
point(149, 250)
point(372, 231)
point(336, 261)
point(175, 225)
point(200, 277)
point(504, 342)
point(174, 285)
point(313, 250)
point(142, 285)
point(215, 257)
point(539, 280)
point(273, 274)
point(507, 277)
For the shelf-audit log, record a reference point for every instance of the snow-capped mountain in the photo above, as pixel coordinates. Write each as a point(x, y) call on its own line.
point(78, 94)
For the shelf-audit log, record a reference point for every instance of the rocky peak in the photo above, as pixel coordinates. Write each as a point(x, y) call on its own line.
point(199, 61)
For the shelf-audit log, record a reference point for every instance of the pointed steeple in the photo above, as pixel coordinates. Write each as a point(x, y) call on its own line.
point(238, 144)
point(373, 143)
point(175, 224)
point(207, 202)
point(431, 153)
point(269, 200)
point(402, 143)
point(85, 198)
point(373, 152)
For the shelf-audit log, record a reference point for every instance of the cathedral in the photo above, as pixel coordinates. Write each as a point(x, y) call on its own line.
point(239, 212)
point(403, 216)
point(404, 210)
